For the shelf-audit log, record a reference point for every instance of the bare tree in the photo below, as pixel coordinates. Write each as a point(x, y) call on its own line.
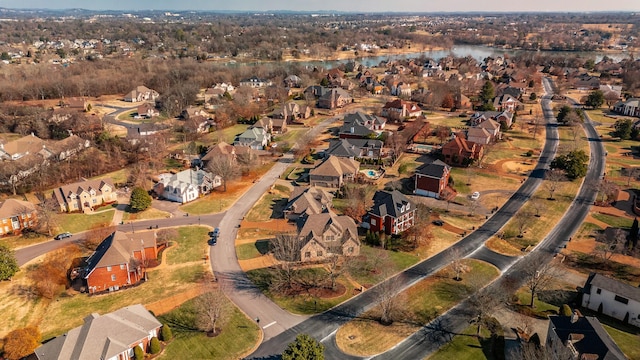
point(94, 236)
point(166, 235)
point(538, 276)
point(521, 221)
point(442, 133)
point(607, 190)
point(631, 173)
point(486, 150)
point(225, 167)
point(212, 309)
point(611, 244)
point(47, 210)
point(336, 268)
point(359, 199)
point(456, 263)
point(554, 181)
point(387, 296)
point(286, 249)
point(420, 233)
point(483, 301)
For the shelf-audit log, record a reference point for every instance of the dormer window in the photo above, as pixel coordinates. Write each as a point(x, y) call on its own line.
point(402, 208)
point(408, 206)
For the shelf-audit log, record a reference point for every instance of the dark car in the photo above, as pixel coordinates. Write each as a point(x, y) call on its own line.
point(438, 222)
point(213, 241)
point(64, 235)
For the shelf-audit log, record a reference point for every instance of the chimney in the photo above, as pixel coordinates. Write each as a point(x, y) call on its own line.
point(574, 317)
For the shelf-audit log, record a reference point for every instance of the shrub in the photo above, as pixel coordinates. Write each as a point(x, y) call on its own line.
point(565, 310)
point(154, 347)
point(166, 333)
point(21, 342)
point(138, 353)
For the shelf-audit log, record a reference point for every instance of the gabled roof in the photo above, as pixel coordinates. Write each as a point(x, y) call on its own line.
point(77, 188)
point(587, 336)
point(316, 225)
point(351, 147)
point(253, 133)
point(309, 200)
point(489, 124)
point(615, 286)
point(478, 132)
point(26, 144)
point(391, 203)
point(361, 123)
point(118, 249)
point(460, 143)
point(335, 166)
point(399, 104)
point(435, 169)
point(101, 337)
point(13, 207)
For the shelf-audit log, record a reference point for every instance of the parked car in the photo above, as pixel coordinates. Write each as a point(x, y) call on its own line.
point(475, 195)
point(438, 222)
point(64, 235)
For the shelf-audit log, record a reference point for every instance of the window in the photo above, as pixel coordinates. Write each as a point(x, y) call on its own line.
point(621, 299)
point(108, 268)
point(350, 250)
point(373, 221)
point(598, 291)
point(121, 266)
point(113, 277)
point(95, 201)
point(307, 254)
point(319, 253)
point(329, 237)
point(408, 206)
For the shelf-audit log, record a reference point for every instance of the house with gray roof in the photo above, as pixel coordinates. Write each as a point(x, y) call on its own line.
point(186, 185)
point(580, 337)
point(327, 234)
point(355, 148)
point(111, 336)
point(612, 298)
point(359, 125)
point(255, 137)
point(334, 172)
point(392, 213)
point(431, 179)
point(630, 107)
point(307, 200)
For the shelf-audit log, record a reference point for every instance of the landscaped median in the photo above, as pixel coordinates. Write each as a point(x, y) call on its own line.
point(423, 302)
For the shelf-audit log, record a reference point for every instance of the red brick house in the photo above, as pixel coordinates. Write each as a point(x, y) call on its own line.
point(120, 261)
point(398, 109)
point(111, 336)
point(460, 151)
point(431, 179)
point(392, 212)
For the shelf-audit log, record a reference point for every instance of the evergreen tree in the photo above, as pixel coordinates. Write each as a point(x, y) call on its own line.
point(304, 348)
point(140, 199)
point(154, 346)
point(166, 333)
point(8, 263)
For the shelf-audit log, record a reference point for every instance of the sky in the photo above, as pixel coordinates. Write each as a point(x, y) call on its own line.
point(340, 5)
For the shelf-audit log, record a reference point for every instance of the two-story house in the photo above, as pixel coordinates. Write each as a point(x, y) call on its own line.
point(256, 82)
point(431, 179)
point(85, 195)
point(334, 98)
point(307, 200)
point(111, 336)
point(392, 213)
point(355, 148)
point(141, 93)
point(186, 185)
point(612, 298)
point(334, 172)
point(359, 125)
point(327, 234)
point(460, 151)
point(15, 216)
point(256, 138)
point(120, 261)
point(630, 107)
point(578, 337)
point(398, 110)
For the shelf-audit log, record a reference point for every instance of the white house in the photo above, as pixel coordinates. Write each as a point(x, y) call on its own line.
point(186, 185)
point(612, 298)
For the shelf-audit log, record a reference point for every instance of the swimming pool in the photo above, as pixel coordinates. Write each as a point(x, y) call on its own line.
point(372, 174)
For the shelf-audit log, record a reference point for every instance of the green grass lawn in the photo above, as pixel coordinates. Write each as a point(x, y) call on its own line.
point(397, 261)
point(250, 251)
point(269, 207)
point(238, 336)
point(628, 343)
point(118, 176)
point(75, 223)
point(191, 245)
point(467, 346)
point(227, 134)
point(614, 221)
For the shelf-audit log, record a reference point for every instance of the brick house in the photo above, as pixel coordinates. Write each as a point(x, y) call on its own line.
point(334, 172)
point(431, 179)
point(306, 201)
point(392, 212)
point(326, 234)
point(460, 151)
point(85, 195)
point(398, 109)
point(111, 336)
point(15, 216)
point(334, 98)
point(120, 261)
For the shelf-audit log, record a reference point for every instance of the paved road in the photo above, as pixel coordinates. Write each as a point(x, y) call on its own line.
point(324, 326)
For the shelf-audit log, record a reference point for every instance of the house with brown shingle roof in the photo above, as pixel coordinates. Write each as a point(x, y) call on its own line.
point(120, 261)
point(26, 145)
point(85, 195)
point(15, 216)
point(334, 172)
point(305, 201)
point(110, 336)
point(399, 110)
point(327, 234)
point(460, 151)
point(141, 93)
point(479, 135)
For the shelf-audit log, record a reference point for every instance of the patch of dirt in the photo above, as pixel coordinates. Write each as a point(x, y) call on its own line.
point(167, 304)
point(325, 293)
point(263, 261)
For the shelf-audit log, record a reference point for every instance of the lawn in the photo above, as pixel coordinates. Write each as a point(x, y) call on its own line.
point(238, 336)
point(422, 303)
point(78, 222)
point(467, 346)
point(628, 343)
point(17, 242)
point(395, 261)
point(614, 221)
point(270, 206)
point(254, 250)
point(118, 176)
point(303, 303)
point(191, 245)
point(227, 135)
point(149, 214)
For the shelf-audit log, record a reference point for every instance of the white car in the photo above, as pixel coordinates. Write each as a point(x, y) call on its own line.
point(475, 195)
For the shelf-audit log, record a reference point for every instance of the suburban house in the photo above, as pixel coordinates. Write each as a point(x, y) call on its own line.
point(193, 111)
point(186, 185)
point(254, 137)
point(460, 151)
point(399, 110)
point(255, 82)
point(305, 201)
point(147, 111)
point(334, 98)
point(15, 216)
point(580, 337)
point(506, 102)
point(112, 336)
point(141, 93)
point(292, 111)
point(500, 117)
point(217, 91)
point(360, 125)
point(431, 179)
point(26, 145)
point(587, 82)
point(327, 234)
point(85, 195)
point(630, 107)
point(224, 149)
point(265, 123)
point(479, 135)
point(355, 148)
point(67, 147)
point(612, 298)
point(120, 261)
point(279, 126)
point(334, 172)
point(76, 103)
point(392, 213)
point(493, 127)
point(292, 81)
